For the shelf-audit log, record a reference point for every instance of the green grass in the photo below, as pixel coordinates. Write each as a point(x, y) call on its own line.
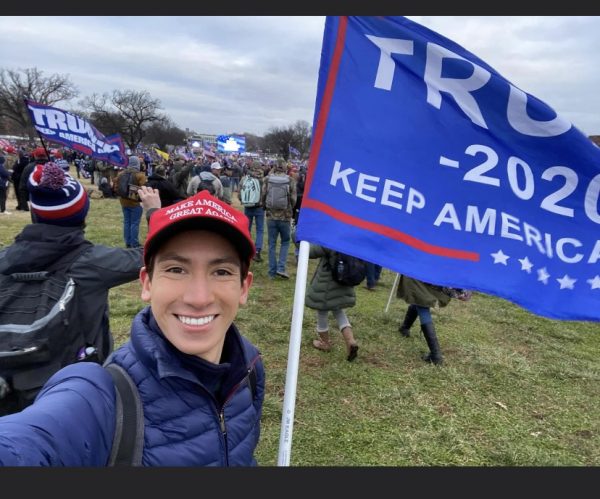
point(516, 389)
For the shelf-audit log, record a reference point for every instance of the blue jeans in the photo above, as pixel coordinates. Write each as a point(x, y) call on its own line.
point(131, 225)
point(258, 214)
point(373, 274)
point(424, 314)
point(278, 228)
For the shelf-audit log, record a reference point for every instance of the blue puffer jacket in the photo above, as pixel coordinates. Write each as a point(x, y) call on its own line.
point(73, 419)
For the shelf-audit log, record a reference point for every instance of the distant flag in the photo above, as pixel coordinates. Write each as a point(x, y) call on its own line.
point(164, 155)
point(293, 150)
point(208, 147)
point(74, 132)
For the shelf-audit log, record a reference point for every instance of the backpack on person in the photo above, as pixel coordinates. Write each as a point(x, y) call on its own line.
point(123, 182)
point(278, 192)
point(250, 192)
point(347, 270)
point(206, 184)
point(40, 330)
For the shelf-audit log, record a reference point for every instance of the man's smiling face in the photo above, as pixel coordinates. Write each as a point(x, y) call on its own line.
point(195, 291)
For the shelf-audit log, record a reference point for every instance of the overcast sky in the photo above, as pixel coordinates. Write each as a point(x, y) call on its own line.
point(248, 74)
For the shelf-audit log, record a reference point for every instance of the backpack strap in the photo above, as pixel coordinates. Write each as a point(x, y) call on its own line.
point(128, 440)
point(252, 381)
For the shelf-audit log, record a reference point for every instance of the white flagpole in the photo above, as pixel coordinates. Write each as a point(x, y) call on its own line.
point(291, 378)
point(392, 292)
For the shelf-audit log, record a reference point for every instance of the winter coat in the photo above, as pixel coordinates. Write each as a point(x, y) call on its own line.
point(4, 176)
point(138, 178)
point(95, 271)
point(27, 171)
point(18, 168)
point(192, 187)
point(226, 183)
point(168, 193)
point(184, 425)
point(323, 292)
point(422, 294)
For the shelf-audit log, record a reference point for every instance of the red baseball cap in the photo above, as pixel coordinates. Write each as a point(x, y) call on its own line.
point(202, 211)
point(39, 153)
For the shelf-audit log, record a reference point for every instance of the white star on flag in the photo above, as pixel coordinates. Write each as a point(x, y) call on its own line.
point(500, 257)
point(595, 282)
point(526, 265)
point(543, 275)
point(566, 282)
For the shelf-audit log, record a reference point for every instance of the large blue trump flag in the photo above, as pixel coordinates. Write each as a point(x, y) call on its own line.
point(427, 161)
point(76, 133)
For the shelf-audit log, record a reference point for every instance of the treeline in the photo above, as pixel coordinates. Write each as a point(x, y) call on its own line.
point(135, 115)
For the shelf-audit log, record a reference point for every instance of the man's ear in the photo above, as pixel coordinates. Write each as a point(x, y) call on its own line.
point(146, 284)
point(246, 288)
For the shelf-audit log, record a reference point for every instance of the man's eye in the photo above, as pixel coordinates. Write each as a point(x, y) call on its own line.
point(174, 270)
point(224, 272)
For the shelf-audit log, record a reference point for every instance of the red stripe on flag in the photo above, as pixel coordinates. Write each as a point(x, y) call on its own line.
point(326, 101)
point(389, 232)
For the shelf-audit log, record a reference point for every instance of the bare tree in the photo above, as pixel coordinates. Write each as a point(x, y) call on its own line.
point(30, 83)
point(253, 142)
point(164, 132)
point(279, 140)
point(302, 137)
point(127, 112)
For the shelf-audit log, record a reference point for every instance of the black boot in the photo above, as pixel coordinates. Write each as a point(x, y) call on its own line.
point(257, 257)
point(435, 355)
point(409, 320)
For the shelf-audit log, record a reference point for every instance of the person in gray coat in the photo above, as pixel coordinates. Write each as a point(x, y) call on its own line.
point(325, 295)
point(421, 296)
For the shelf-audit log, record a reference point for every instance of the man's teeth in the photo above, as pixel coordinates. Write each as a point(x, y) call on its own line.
point(195, 321)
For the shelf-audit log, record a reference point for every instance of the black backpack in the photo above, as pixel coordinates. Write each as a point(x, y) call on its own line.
point(347, 270)
point(40, 330)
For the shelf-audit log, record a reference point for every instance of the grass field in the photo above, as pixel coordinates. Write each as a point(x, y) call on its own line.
point(516, 389)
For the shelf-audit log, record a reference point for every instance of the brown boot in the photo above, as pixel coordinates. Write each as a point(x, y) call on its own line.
point(323, 342)
point(351, 346)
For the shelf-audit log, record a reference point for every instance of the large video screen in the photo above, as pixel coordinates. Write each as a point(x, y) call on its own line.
point(231, 143)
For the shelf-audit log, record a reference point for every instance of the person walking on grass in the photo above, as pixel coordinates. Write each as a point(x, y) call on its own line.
point(421, 297)
point(279, 198)
point(325, 295)
point(249, 194)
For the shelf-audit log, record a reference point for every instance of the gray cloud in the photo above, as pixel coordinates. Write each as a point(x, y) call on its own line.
point(247, 74)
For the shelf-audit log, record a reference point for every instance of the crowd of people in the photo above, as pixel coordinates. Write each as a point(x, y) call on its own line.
point(186, 357)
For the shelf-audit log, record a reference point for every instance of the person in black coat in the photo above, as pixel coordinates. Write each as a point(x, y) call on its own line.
point(18, 167)
point(168, 193)
point(4, 176)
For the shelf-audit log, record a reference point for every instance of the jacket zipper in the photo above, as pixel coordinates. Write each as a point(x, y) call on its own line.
point(221, 413)
point(224, 433)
